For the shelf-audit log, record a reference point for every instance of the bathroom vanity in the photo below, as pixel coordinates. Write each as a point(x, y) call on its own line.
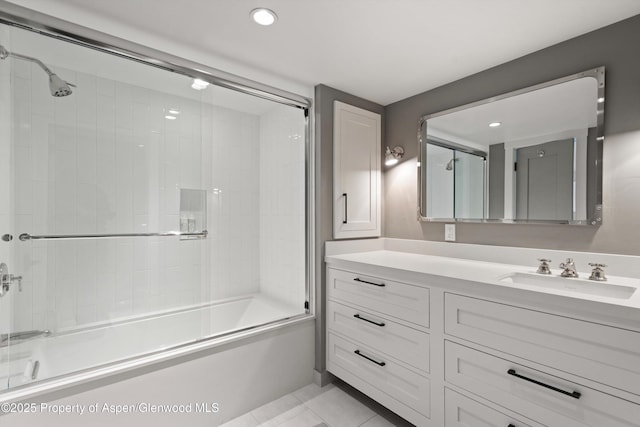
point(467, 335)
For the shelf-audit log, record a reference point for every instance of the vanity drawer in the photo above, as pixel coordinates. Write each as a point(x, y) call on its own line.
point(461, 411)
point(495, 379)
point(381, 334)
point(601, 353)
point(399, 300)
point(347, 358)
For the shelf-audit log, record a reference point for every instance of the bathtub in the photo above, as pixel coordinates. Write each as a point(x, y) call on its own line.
point(62, 353)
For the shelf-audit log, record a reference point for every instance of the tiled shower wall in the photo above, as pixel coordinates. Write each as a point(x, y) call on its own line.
point(233, 200)
point(282, 205)
point(105, 160)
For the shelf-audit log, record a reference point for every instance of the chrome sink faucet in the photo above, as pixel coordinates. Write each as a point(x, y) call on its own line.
point(569, 268)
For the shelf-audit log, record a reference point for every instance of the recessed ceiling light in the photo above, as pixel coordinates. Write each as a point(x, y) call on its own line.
point(170, 117)
point(174, 112)
point(494, 124)
point(264, 16)
point(199, 84)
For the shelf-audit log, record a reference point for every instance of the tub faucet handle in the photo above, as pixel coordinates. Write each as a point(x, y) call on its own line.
point(6, 280)
point(598, 272)
point(543, 268)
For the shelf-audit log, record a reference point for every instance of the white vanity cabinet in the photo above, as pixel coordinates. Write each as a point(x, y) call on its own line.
point(463, 351)
point(378, 340)
point(555, 369)
point(356, 172)
point(604, 354)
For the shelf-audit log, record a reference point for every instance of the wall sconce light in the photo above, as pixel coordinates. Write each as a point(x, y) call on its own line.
point(391, 157)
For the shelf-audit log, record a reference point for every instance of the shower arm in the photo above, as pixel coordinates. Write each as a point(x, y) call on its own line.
point(4, 53)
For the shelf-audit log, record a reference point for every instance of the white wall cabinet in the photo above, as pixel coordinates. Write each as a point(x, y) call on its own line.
point(440, 352)
point(356, 172)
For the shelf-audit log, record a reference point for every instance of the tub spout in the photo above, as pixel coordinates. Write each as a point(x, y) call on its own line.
point(6, 339)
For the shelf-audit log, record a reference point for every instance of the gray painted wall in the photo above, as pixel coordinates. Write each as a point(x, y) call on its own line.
point(614, 47)
point(324, 97)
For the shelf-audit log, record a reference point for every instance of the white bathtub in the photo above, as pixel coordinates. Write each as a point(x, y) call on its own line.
point(67, 352)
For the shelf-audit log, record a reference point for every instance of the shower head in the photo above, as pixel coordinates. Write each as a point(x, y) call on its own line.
point(57, 86)
point(449, 165)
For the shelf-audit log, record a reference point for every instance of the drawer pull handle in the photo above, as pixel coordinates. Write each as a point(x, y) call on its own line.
point(574, 394)
point(357, 316)
point(369, 358)
point(357, 279)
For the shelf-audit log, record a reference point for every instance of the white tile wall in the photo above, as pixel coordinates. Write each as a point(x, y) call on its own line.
point(233, 201)
point(282, 205)
point(103, 160)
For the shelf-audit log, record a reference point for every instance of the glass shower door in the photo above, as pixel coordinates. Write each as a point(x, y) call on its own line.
point(142, 211)
point(469, 179)
point(11, 367)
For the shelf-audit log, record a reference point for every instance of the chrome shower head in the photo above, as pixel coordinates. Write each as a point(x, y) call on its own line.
point(449, 165)
point(57, 86)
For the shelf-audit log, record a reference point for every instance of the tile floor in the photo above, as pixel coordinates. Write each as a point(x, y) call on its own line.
point(335, 405)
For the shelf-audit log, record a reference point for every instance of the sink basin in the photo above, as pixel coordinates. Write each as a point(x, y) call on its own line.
point(580, 286)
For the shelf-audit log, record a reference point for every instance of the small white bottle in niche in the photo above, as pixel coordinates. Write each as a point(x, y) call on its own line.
point(184, 224)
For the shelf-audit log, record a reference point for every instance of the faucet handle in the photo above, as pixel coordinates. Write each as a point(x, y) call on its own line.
point(597, 265)
point(543, 268)
point(598, 272)
point(567, 263)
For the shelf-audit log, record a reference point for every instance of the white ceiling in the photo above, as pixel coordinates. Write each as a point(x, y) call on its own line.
point(382, 50)
point(549, 112)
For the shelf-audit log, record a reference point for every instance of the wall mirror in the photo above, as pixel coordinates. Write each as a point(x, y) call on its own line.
point(528, 156)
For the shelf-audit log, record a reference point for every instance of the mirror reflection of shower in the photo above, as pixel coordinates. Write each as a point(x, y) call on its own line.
point(57, 86)
point(449, 165)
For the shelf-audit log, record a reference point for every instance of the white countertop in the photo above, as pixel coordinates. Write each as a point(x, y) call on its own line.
point(490, 273)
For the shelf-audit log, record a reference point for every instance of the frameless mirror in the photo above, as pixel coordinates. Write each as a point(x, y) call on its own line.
point(530, 156)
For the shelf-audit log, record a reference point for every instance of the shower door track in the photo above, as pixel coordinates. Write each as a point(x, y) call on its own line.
point(47, 25)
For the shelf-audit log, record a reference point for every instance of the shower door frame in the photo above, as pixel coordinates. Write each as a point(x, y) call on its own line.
point(49, 26)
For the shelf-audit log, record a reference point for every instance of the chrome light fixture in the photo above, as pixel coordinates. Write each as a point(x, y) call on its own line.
point(391, 157)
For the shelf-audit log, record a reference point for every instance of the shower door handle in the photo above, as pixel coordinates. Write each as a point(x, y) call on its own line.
point(344, 221)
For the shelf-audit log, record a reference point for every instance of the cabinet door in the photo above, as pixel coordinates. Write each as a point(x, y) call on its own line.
point(356, 172)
